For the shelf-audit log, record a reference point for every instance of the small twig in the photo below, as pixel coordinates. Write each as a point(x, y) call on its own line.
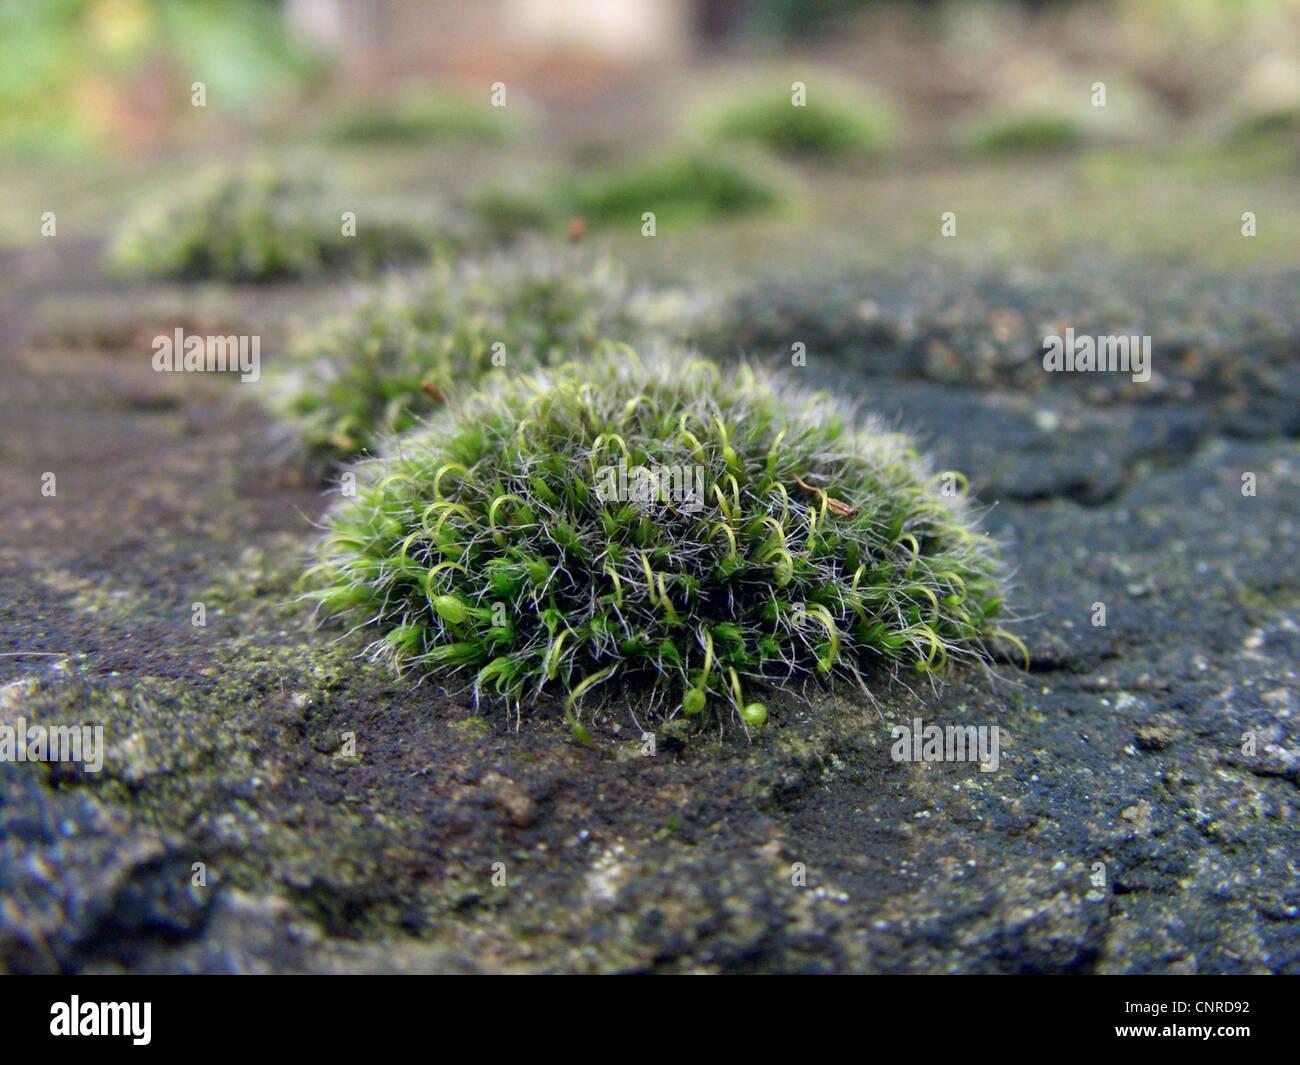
point(837, 507)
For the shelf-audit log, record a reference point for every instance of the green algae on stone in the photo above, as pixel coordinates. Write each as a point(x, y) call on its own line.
point(686, 533)
point(260, 224)
point(401, 353)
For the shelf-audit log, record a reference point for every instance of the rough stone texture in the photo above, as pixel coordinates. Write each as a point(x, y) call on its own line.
point(1122, 745)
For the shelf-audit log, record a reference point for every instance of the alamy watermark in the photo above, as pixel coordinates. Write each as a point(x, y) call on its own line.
point(1101, 354)
point(679, 485)
point(179, 353)
point(76, 1018)
point(21, 742)
point(919, 742)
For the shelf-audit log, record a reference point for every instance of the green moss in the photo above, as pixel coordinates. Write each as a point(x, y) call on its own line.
point(422, 119)
point(261, 224)
point(1279, 122)
point(506, 212)
point(475, 728)
point(832, 124)
point(399, 355)
point(679, 190)
point(1025, 133)
point(686, 534)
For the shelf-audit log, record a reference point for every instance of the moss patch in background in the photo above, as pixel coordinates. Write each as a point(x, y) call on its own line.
point(402, 352)
point(260, 224)
point(683, 189)
point(421, 119)
point(831, 124)
point(695, 186)
point(1032, 132)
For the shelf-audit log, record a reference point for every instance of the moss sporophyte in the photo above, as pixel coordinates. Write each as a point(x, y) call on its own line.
point(488, 543)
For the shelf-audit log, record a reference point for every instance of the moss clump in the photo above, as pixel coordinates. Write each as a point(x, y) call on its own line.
point(831, 125)
point(400, 354)
point(679, 189)
point(1278, 122)
point(506, 212)
point(421, 119)
point(687, 533)
point(260, 224)
point(1027, 133)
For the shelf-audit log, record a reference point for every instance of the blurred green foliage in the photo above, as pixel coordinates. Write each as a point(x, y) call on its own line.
point(506, 211)
point(426, 118)
point(680, 189)
point(684, 188)
point(84, 74)
point(1039, 132)
point(799, 19)
point(831, 124)
point(261, 224)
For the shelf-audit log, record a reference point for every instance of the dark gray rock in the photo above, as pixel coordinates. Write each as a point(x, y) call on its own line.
point(1142, 818)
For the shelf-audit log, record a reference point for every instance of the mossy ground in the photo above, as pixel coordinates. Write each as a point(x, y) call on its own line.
point(1123, 746)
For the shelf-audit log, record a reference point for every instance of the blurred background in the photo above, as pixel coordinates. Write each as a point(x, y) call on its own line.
point(953, 100)
point(87, 75)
